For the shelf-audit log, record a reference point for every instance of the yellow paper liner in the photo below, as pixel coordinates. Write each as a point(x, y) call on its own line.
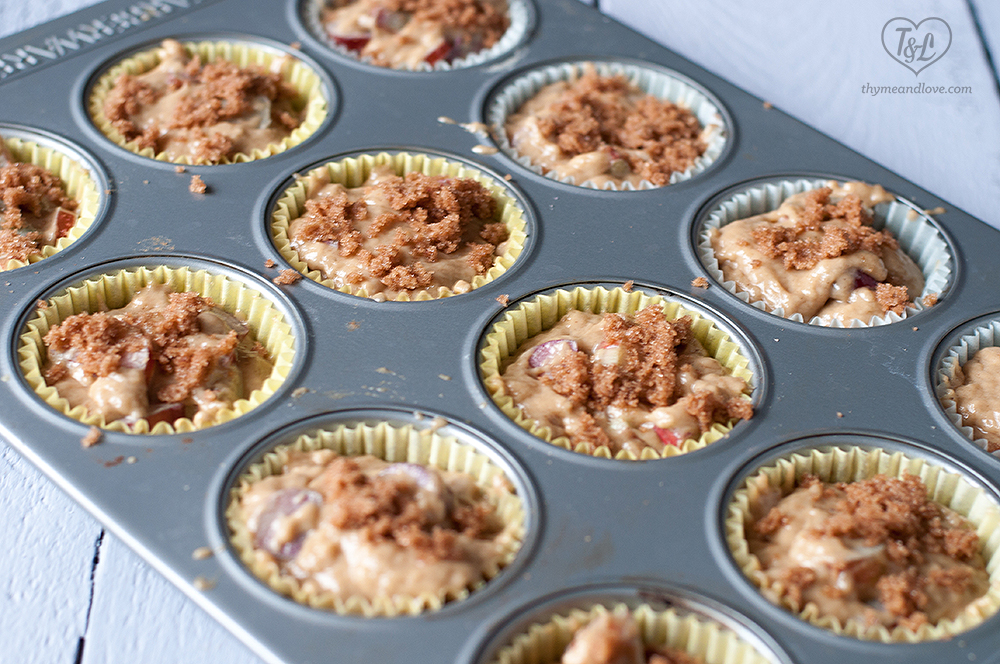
point(77, 182)
point(353, 171)
point(534, 317)
point(294, 71)
point(115, 290)
point(393, 443)
point(544, 643)
point(852, 464)
point(985, 335)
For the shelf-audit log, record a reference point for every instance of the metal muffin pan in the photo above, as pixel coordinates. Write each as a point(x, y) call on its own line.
point(596, 527)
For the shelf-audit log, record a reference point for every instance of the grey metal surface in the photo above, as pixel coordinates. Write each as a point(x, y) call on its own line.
point(595, 525)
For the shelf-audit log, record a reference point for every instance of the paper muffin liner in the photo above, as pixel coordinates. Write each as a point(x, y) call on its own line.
point(917, 235)
point(852, 464)
point(293, 70)
point(533, 317)
point(403, 443)
point(353, 171)
point(115, 290)
point(522, 20)
point(544, 643)
point(956, 356)
point(77, 181)
point(655, 82)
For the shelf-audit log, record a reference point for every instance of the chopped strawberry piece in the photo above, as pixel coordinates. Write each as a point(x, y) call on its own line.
point(168, 412)
point(391, 21)
point(352, 42)
point(668, 436)
point(442, 52)
point(864, 280)
point(64, 221)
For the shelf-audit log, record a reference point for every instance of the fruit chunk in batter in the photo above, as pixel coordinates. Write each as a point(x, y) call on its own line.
point(622, 383)
point(818, 255)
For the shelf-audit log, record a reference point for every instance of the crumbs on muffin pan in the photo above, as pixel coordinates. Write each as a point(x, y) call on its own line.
point(197, 185)
point(287, 277)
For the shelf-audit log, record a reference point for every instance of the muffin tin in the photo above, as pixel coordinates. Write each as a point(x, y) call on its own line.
point(597, 530)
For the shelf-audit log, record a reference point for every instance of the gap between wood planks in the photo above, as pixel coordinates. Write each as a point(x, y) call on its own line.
point(90, 602)
point(985, 43)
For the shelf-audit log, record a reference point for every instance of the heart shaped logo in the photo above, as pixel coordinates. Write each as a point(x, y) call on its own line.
point(916, 46)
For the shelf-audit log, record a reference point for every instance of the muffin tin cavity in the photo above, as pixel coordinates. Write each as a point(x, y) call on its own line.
point(81, 177)
point(442, 58)
point(351, 172)
point(314, 94)
point(918, 235)
point(953, 353)
point(665, 84)
point(852, 458)
point(666, 617)
point(417, 439)
point(253, 305)
point(535, 314)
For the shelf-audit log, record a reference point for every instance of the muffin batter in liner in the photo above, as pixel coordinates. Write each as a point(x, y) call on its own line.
point(520, 12)
point(652, 81)
point(393, 443)
point(544, 643)
point(535, 316)
point(851, 464)
point(917, 236)
point(114, 290)
point(296, 72)
point(353, 171)
point(970, 344)
point(77, 182)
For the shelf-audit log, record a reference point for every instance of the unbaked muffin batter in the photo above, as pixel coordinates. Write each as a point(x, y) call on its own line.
point(404, 34)
point(163, 356)
point(817, 255)
point(34, 209)
point(613, 638)
point(206, 112)
point(977, 395)
point(399, 234)
point(602, 129)
point(627, 384)
point(363, 527)
point(877, 551)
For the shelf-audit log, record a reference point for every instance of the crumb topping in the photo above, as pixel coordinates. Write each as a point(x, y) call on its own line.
point(101, 343)
point(388, 506)
point(483, 18)
point(892, 298)
point(804, 253)
point(430, 216)
point(893, 518)
point(699, 282)
point(197, 185)
point(287, 277)
point(591, 115)
point(29, 194)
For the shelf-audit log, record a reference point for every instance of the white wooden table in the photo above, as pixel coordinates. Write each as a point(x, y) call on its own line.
point(71, 593)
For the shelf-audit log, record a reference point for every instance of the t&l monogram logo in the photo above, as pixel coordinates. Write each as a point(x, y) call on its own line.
point(916, 46)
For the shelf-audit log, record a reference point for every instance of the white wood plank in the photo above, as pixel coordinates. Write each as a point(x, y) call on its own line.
point(988, 15)
point(17, 15)
point(811, 60)
point(138, 616)
point(46, 563)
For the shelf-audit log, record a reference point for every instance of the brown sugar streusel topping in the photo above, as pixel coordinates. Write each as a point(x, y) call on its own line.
point(896, 515)
point(287, 277)
point(197, 185)
point(616, 639)
point(386, 507)
point(217, 92)
point(591, 116)
point(102, 341)
point(437, 212)
point(482, 18)
point(29, 191)
point(646, 373)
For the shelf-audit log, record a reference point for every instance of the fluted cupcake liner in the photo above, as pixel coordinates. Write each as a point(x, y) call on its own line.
point(77, 181)
point(917, 235)
point(530, 318)
point(956, 356)
point(115, 290)
point(392, 443)
point(352, 172)
point(852, 464)
point(293, 70)
point(656, 82)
